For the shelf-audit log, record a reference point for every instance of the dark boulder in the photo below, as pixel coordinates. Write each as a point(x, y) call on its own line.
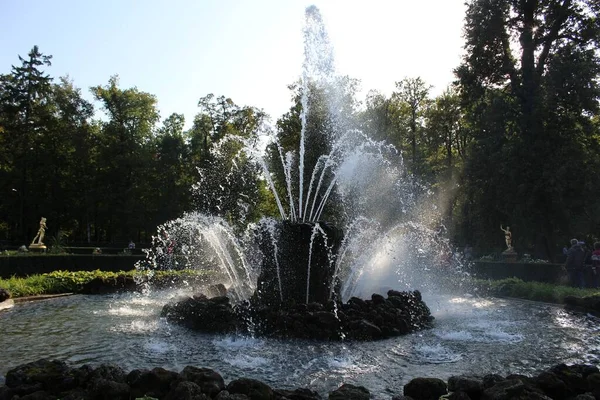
point(513, 389)
point(298, 394)
point(209, 381)
point(186, 391)
point(470, 385)
point(252, 388)
point(105, 389)
point(593, 381)
point(425, 388)
point(225, 395)
point(53, 376)
point(4, 295)
point(350, 392)
point(214, 315)
point(155, 383)
point(41, 395)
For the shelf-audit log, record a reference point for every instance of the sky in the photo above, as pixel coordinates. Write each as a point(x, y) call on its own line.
point(248, 50)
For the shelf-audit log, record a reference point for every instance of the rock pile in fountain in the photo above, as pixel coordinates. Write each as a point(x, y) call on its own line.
point(297, 295)
point(377, 318)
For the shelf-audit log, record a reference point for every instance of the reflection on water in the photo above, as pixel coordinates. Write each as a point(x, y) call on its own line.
point(471, 335)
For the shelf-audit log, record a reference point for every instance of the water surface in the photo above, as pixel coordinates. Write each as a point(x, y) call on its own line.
point(471, 336)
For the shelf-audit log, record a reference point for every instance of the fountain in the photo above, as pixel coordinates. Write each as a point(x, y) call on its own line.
point(299, 277)
point(290, 276)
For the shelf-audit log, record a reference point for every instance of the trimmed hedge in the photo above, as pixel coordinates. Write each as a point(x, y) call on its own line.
point(72, 282)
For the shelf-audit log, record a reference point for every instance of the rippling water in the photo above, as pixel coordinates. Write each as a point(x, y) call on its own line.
point(471, 335)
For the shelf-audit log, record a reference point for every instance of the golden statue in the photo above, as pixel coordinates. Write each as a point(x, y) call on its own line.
point(507, 236)
point(40, 235)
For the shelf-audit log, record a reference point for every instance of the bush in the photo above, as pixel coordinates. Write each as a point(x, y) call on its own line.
point(72, 282)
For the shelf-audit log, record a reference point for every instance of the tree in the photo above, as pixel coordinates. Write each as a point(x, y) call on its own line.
point(529, 87)
point(23, 108)
point(171, 172)
point(413, 96)
point(127, 151)
point(220, 136)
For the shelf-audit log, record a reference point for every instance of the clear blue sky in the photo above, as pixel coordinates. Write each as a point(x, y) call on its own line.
point(249, 50)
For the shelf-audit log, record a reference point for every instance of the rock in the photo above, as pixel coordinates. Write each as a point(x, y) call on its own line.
point(425, 388)
point(350, 392)
point(104, 389)
point(209, 381)
point(358, 319)
point(4, 295)
point(214, 315)
point(593, 381)
point(377, 299)
point(363, 329)
point(109, 372)
point(574, 376)
point(298, 394)
point(470, 385)
point(155, 383)
point(6, 393)
point(186, 391)
point(357, 303)
point(490, 380)
point(41, 395)
point(460, 395)
point(75, 394)
point(252, 388)
point(53, 376)
point(552, 385)
point(512, 389)
point(584, 396)
point(225, 395)
point(327, 320)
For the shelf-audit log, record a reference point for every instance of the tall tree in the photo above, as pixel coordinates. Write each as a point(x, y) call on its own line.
point(528, 65)
point(413, 96)
point(228, 182)
point(23, 108)
point(126, 152)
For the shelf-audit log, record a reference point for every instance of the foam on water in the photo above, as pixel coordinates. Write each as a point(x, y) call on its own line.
point(503, 337)
point(245, 361)
point(130, 311)
point(436, 354)
point(455, 335)
point(230, 342)
point(157, 346)
point(137, 327)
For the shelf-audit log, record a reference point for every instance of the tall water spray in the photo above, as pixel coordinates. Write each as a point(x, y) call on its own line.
point(386, 221)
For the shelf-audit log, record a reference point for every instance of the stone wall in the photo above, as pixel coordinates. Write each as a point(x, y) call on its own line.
point(24, 265)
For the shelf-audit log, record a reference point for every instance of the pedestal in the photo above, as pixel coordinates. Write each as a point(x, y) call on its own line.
point(298, 262)
point(37, 247)
point(509, 255)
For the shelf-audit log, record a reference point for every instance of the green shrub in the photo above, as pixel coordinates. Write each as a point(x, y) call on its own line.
point(71, 282)
point(538, 291)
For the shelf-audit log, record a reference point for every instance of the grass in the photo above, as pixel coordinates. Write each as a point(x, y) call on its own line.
point(72, 282)
point(536, 291)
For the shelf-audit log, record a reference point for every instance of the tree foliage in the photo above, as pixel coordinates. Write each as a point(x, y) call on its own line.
point(529, 88)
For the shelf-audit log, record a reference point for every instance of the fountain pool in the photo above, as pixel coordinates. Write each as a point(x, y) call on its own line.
point(471, 335)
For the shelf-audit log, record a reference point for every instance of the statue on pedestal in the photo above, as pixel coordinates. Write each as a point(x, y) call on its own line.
point(508, 255)
point(40, 236)
point(507, 237)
